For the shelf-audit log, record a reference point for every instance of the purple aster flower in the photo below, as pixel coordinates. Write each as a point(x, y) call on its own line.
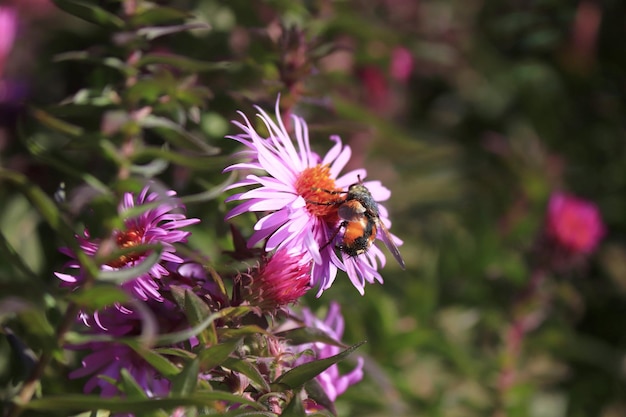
point(302, 214)
point(157, 225)
point(109, 358)
point(333, 383)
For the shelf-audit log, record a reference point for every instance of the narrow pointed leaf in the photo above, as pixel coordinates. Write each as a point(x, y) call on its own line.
point(126, 274)
point(90, 12)
point(295, 408)
point(159, 362)
point(249, 370)
point(315, 391)
point(302, 335)
point(215, 355)
point(196, 310)
point(186, 381)
point(130, 386)
point(154, 32)
point(299, 375)
point(54, 123)
point(80, 402)
point(98, 296)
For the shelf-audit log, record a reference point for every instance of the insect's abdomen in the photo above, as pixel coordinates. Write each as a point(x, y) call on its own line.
point(358, 236)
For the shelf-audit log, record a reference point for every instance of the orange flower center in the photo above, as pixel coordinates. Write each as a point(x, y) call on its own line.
point(128, 239)
point(320, 192)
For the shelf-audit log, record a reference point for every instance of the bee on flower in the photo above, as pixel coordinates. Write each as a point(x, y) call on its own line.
point(301, 194)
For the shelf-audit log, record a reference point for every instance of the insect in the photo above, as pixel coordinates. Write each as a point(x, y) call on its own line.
point(360, 222)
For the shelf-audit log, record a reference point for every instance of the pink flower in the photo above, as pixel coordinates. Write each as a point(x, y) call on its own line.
point(279, 280)
point(157, 225)
point(376, 86)
point(573, 223)
point(401, 64)
point(8, 31)
point(292, 190)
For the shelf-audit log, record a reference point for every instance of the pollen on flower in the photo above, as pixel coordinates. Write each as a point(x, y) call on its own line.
point(314, 185)
point(124, 240)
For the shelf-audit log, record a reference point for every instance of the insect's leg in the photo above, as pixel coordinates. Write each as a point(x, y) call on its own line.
point(329, 191)
point(342, 225)
point(327, 203)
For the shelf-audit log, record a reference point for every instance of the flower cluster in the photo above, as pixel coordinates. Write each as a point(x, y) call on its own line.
point(173, 294)
point(299, 193)
point(150, 309)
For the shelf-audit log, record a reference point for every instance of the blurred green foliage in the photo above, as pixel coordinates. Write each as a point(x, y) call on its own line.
point(505, 102)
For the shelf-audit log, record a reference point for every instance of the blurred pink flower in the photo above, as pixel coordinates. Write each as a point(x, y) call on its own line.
point(8, 31)
point(375, 86)
point(574, 224)
point(401, 64)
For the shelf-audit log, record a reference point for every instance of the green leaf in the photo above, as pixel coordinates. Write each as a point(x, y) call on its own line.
point(11, 306)
point(295, 408)
point(154, 32)
point(236, 312)
point(167, 127)
point(79, 402)
point(84, 96)
point(213, 192)
point(12, 264)
point(130, 386)
point(299, 375)
point(179, 353)
point(244, 367)
point(98, 296)
point(247, 330)
point(317, 393)
point(242, 412)
point(91, 13)
point(191, 160)
point(156, 15)
point(302, 335)
point(184, 335)
point(155, 167)
point(186, 381)
point(196, 310)
point(184, 63)
point(215, 355)
point(126, 274)
point(56, 124)
point(48, 210)
point(159, 362)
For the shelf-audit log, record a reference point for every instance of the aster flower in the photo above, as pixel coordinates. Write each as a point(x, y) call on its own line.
point(156, 225)
point(278, 281)
point(302, 213)
point(332, 382)
point(109, 358)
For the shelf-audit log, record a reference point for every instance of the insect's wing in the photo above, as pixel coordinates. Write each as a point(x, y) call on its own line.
point(388, 241)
